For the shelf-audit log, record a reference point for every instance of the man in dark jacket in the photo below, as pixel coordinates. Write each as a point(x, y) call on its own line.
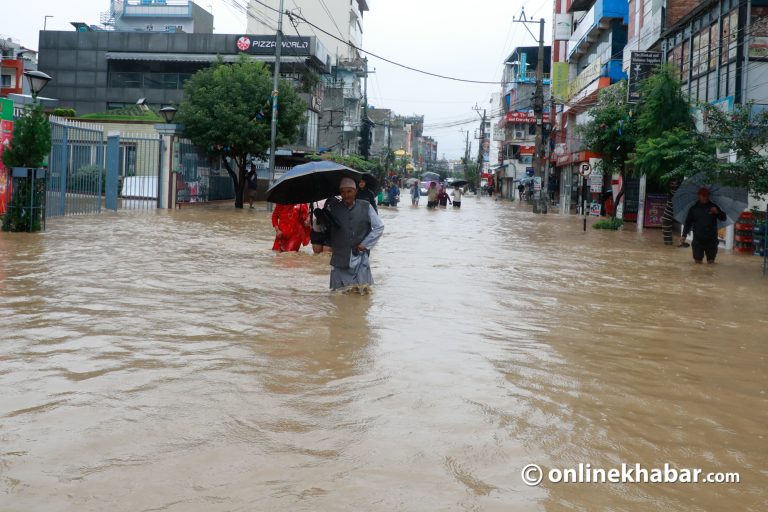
point(702, 220)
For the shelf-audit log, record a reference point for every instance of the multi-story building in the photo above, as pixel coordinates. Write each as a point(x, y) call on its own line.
point(15, 59)
point(593, 54)
point(342, 18)
point(424, 152)
point(341, 23)
point(158, 16)
point(515, 132)
point(96, 71)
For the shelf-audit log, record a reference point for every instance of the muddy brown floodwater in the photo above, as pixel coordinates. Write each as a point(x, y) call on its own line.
point(169, 361)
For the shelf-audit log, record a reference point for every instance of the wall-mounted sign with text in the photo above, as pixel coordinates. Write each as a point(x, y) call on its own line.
point(265, 45)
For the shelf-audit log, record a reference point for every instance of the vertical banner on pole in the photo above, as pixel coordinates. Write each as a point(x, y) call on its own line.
point(6, 134)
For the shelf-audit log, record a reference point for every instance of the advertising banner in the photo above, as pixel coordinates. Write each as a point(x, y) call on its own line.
point(265, 45)
point(6, 133)
point(641, 66)
point(654, 209)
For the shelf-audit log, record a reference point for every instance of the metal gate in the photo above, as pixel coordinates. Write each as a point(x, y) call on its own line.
point(133, 177)
point(76, 167)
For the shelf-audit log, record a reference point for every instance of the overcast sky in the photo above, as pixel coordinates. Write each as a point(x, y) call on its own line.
point(466, 39)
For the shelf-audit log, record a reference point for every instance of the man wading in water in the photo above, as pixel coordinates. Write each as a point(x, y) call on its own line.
point(354, 230)
point(702, 220)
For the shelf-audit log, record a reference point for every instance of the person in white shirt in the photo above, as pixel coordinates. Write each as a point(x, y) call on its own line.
point(457, 197)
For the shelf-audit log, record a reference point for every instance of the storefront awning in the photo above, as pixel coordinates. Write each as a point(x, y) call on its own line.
point(192, 57)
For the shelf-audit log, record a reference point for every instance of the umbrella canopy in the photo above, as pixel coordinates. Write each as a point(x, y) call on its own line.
point(431, 176)
point(310, 182)
point(732, 200)
point(411, 181)
point(459, 183)
point(371, 183)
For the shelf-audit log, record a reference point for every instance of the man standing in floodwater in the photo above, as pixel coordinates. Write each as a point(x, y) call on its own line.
point(702, 220)
point(354, 230)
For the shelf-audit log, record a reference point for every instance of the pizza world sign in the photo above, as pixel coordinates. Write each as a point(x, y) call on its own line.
point(265, 45)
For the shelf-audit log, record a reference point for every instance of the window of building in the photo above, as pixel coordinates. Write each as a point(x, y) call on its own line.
point(713, 52)
point(686, 61)
point(696, 50)
point(704, 50)
point(5, 81)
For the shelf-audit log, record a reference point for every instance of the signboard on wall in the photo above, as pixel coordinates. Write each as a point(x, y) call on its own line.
point(525, 117)
point(265, 45)
point(641, 66)
point(563, 26)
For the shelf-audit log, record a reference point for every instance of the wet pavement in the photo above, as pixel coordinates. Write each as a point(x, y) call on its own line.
point(168, 361)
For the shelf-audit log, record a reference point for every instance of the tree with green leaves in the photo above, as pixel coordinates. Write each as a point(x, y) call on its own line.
point(31, 143)
point(227, 110)
point(612, 132)
point(668, 142)
point(29, 147)
point(471, 172)
point(743, 133)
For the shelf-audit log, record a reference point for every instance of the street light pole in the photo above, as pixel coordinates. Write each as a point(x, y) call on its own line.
point(275, 95)
point(538, 110)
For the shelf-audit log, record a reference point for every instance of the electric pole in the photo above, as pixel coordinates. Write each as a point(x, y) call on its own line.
point(466, 153)
point(538, 110)
point(481, 145)
point(275, 94)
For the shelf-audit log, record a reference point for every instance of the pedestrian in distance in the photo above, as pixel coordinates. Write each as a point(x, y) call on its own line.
point(251, 186)
point(443, 199)
point(366, 194)
point(394, 194)
point(432, 195)
point(383, 197)
point(520, 191)
point(702, 221)
point(415, 194)
point(457, 193)
point(292, 227)
point(354, 230)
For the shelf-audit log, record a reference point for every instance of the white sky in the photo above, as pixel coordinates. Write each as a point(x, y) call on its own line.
point(467, 39)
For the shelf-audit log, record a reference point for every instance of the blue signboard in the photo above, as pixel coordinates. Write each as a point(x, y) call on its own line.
point(529, 171)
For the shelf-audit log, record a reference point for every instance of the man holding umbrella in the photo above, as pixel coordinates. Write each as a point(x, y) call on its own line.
point(354, 230)
point(702, 220)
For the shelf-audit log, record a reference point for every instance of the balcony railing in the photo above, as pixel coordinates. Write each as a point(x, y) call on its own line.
point(597, 19)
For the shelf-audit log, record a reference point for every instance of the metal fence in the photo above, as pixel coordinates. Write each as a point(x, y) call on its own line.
point(76, 167)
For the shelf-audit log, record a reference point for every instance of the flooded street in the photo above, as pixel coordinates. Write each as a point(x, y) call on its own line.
point(169, 361)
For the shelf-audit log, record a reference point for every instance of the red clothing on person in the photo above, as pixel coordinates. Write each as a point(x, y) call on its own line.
point(291, 221)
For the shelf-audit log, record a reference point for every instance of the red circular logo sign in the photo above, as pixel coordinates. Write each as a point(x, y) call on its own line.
point(243, 44)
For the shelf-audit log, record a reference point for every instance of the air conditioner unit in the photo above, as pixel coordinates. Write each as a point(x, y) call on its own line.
point(519, 135)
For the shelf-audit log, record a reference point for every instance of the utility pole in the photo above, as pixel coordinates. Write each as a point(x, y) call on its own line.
point(480, 148)
point(275, 95)
point(538, 110)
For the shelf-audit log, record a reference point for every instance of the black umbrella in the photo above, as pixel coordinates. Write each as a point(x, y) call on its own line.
point(731, 200)
point(371, 183)
point(459, 183)
point(310, 182)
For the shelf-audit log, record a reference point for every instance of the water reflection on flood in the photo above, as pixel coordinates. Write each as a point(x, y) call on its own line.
point(170, 361)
